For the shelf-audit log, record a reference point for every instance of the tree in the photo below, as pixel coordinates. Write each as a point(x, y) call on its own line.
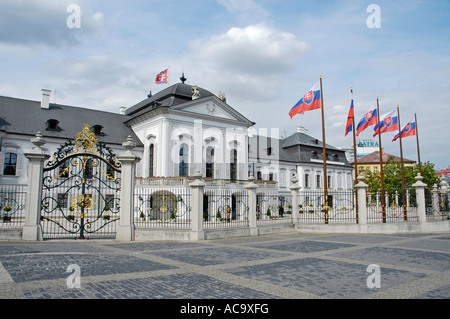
point(392, 173)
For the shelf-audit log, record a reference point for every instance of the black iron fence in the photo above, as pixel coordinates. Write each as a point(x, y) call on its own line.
point(225, 208)
point(273, 208)
point(339, 208)
point(12, 206)
point(396, 208)
point(163, 207)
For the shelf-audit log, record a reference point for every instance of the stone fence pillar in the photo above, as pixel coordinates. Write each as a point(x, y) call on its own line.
point(32, 230)
point(197, 207)
point(420, 199)
point(251, 187)
point(362, 203)
point(126, 227)
point(294, 192)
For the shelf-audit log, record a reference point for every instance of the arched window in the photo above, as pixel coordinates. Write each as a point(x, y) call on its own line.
point(233, 165)
point(151, 160)
point(210, 162)
point(184, 161)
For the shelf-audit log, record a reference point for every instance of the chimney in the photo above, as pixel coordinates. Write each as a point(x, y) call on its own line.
point(301, 129)
point(122, 110)
point(45, 99)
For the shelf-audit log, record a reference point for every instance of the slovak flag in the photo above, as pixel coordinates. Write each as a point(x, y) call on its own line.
point(408, 130)
point(161, 78)
point(310, 101)
point(389, 123)
point(351, 115)
point(369, 119)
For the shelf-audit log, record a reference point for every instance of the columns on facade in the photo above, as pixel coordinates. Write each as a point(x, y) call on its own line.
point(125, 229)
point(198, 187)
point(295, 187)
point(420, 199)
point(362, 204)
point(32, 228)
point(251, 187)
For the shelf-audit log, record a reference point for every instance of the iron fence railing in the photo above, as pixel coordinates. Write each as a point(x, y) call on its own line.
point(162, 207)
point(12, 206)
point(225, 208)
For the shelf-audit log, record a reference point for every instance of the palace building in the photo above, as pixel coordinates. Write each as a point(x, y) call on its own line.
point(181, 130)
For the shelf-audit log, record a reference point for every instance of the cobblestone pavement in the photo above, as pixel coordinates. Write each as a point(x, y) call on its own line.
point(281, 266)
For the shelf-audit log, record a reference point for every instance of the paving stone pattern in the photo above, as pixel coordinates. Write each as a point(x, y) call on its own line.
point(281, 266)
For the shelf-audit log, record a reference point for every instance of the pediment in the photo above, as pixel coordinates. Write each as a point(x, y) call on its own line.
point(211, 108)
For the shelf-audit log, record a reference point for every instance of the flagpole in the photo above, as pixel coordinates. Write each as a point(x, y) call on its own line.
point(405, 218)
point(417, 139)
point(383, 199)
point(355, 159)
point(325, 179)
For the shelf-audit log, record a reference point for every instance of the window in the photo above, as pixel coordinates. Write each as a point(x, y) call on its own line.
point(97, 129)
point(151, 160)
point(63, 200)
point(10, 164)
point(233, 165)
point(307, 182)
point(89, 169)
point(184, 163)
point(329, 182)
point(258, 175)
point(52, 125)
point(318, 181)
point(109, 200)
point(269, 151)
point(210, 162)
point(270, 176)
point(375, 169)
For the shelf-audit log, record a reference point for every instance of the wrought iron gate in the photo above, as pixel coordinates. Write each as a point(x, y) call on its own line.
point(81, 190)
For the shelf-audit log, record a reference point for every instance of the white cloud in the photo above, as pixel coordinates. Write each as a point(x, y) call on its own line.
point(245, 10)
point(246, 58)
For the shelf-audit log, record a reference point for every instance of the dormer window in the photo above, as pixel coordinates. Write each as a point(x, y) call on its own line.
point(52, 125)
point(97, 129)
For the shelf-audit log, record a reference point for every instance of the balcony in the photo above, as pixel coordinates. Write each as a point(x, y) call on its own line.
point(184, 181)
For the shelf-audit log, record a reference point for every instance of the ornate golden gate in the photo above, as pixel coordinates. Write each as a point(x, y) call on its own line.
point(81, 190)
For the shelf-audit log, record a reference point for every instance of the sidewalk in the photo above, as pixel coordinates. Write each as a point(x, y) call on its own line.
point(286, 266)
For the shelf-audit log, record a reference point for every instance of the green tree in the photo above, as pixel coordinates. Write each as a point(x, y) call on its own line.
point(392, 173)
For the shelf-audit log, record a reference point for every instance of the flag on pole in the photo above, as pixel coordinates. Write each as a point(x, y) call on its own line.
point(351, 115)
point(161, 78)
point(408, 130)
point(389, 122)
point(310, 101)
point(369, 119)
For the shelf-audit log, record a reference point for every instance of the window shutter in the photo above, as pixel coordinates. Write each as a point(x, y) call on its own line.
point(19, 165)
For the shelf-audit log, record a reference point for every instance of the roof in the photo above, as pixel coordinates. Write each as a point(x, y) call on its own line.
point(300, 148)
point(173, 95)
point(71, 120)
point(374, 158)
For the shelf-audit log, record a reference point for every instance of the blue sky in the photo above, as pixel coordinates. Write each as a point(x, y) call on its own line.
point(264, 55)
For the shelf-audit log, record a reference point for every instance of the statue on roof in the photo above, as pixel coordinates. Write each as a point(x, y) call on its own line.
point(195, 92)
point(222, 97)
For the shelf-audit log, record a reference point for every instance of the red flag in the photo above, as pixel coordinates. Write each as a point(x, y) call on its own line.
point(161, 78)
